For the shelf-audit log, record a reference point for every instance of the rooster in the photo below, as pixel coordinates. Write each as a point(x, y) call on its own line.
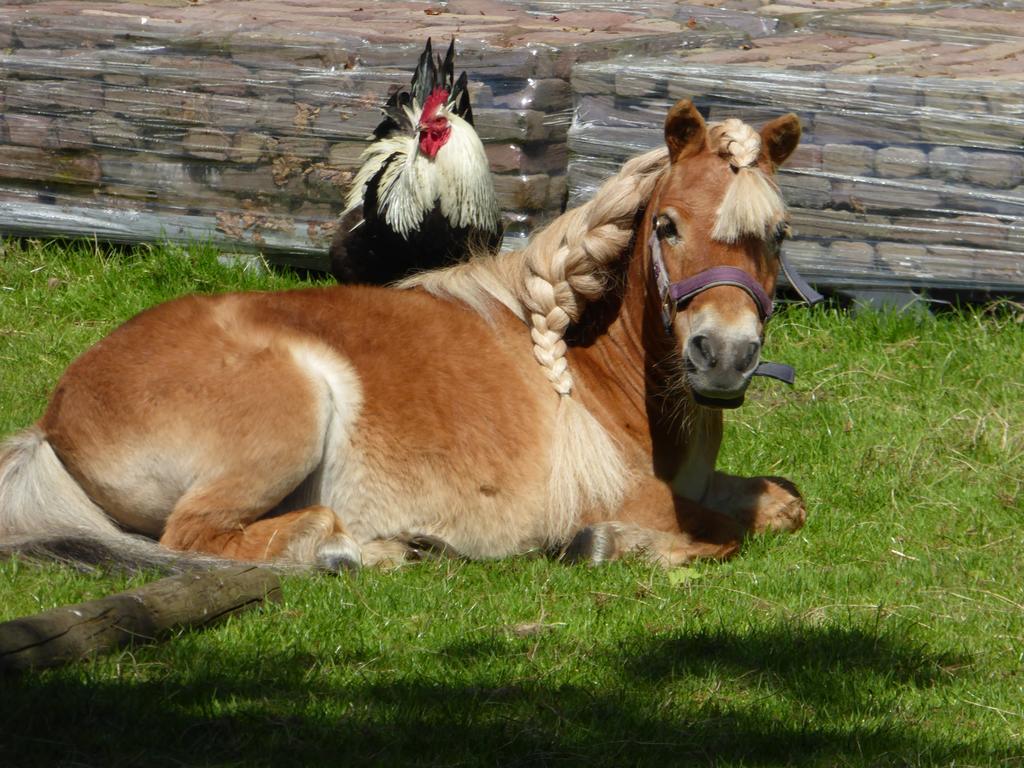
point(423, 196)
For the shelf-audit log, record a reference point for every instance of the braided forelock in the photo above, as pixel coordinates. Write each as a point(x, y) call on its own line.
point(736, 141)
point(751, 204)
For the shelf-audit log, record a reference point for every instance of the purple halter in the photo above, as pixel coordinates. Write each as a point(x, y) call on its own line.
point(674, 295)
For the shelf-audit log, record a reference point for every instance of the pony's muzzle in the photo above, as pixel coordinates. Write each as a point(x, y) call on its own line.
point(721, 366)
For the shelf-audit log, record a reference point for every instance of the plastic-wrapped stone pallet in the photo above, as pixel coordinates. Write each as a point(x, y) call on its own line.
point(957, 23)
point(910, 172)
point(242, 121)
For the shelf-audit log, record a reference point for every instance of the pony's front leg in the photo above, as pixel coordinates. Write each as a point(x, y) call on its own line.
point(603, 542)
point(757, 503)
point(660, 526)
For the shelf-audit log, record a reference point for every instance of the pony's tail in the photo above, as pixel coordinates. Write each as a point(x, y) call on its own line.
point(45, 514)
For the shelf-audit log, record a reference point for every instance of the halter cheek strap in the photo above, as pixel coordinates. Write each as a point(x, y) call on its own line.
point(674, 295)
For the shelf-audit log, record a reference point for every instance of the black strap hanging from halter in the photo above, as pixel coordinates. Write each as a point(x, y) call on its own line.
point(674, 295)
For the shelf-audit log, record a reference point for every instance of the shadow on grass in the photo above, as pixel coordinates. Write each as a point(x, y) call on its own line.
point(795, 696)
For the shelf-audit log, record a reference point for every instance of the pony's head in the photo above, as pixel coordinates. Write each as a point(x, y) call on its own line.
point(712, 232)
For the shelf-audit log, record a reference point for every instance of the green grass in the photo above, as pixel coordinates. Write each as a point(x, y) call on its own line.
point(889, 631)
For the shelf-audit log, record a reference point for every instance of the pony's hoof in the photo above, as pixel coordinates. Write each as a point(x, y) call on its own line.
point(792, 517)
point(385, 553)
point(423, 547)
point(782, 508)
point(593, 545)
point(339, 554)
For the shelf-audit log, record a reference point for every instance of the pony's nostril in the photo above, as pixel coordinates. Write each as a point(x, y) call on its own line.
point(702, 353)
point(745, 360)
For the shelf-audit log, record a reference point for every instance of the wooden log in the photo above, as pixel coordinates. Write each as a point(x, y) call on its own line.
point(139, 615)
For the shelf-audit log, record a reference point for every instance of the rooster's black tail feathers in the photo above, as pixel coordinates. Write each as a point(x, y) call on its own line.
point(459, 96)
point(395, 116)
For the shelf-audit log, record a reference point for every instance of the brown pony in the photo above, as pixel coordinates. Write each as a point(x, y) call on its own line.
point(333, 426)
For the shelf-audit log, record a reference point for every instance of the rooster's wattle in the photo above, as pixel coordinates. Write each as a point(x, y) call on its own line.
point(423, 196)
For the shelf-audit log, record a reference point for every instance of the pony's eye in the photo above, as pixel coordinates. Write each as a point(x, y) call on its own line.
point(666, 229)
point(781, 232)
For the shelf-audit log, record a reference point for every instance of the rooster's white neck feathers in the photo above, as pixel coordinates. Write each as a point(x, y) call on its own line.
point(457, 178)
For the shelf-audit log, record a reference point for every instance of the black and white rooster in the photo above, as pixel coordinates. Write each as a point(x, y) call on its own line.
point(423, 196)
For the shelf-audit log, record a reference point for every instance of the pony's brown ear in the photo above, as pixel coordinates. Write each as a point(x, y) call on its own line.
point(685, 132)
point(779, 138)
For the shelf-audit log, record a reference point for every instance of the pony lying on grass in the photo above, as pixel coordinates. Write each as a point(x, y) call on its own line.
point(334, 426)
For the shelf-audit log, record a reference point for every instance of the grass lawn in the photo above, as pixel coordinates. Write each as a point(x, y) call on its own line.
point(889, 631)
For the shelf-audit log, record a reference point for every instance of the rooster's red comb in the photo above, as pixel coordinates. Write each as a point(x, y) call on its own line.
point(437, 97)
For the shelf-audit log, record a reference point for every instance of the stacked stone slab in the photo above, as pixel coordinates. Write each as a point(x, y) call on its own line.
point(958, 23)
point(911, 170)
point(242, 121)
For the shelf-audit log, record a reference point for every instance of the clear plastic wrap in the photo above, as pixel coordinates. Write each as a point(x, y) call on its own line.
point(954, 23)
point(242, 121)
point(910, 172)
point(746, 16)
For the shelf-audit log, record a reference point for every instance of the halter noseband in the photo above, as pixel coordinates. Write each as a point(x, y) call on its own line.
point(674, 295)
